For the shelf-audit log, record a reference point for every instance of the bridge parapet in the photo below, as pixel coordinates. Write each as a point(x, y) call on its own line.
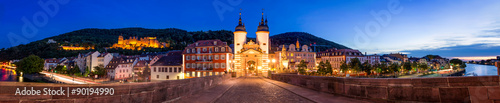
point(148, 92)
point(479, 89)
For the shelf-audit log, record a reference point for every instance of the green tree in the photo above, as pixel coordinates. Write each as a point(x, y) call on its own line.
point(394, 67)
point(424, 66)
point(367, 67)
point(414, 65)
point(407, 66)
point(100, 71)
point(59, 69)
point(87, 72)
point(302, 67)
point(31, 64)
point(74, 70)
point(355, 65)
point(321, 67)
point(328, 67)
point(343, 67)
point(457, 63)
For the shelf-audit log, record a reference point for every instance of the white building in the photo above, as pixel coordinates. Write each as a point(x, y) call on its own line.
point(168, 67)
point(104, 59)
point(121, 68)
point(91, 60)
point(50, 63)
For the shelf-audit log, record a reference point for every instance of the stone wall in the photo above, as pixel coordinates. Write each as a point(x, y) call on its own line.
point(479, 89)
point(149, 92)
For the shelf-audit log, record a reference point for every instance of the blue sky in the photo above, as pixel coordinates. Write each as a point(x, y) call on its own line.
point(451, 28)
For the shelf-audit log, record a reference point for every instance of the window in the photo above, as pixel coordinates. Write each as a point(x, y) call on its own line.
point(222, 65)
point(168, 77)
point(154, 69)
point(157, 76)
point(204, 49)
point(210, 49)
point(193, 50)
point(216, 49)
point(187, 51)
point(175, 69)
point(216, 57)
point(264, 43)
point(187, 57)
point(222, 57)
point(216, 65)
point(199, 57)
point(237, 43)
point(193, 57)
point(188, 65)
point(169, 69)
point(223, 49)
point(177, 77)
point(180, 69)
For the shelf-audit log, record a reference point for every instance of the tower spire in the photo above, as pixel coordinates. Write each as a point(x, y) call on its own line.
point(262, 20)
point(240, 23)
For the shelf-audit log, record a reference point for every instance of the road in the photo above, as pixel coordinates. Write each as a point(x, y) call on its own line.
point(256, 90)
point(261, 90)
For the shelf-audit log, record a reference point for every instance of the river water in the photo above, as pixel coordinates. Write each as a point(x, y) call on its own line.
point(481, 70)
point(8, 75)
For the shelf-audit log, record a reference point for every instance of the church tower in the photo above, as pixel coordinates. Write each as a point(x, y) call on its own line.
point(263, 35)
point(240, 36)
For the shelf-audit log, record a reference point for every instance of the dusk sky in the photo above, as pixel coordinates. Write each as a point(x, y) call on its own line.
point(450, 28)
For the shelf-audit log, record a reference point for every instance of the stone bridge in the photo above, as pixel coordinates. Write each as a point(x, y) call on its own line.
point(279, 88)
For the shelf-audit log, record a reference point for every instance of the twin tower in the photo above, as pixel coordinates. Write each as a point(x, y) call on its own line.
point(240, 36)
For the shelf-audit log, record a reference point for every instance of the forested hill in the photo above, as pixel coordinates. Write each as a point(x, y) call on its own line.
point(101, 38)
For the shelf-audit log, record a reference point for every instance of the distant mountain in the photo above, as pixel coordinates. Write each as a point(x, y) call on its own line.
point(177, 38)
point(304, 39)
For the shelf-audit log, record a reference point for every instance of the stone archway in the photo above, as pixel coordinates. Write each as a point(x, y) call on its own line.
point(252, 67)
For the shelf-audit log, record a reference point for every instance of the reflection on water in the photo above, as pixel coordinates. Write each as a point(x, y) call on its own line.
point(7, 75)
point(481, 70)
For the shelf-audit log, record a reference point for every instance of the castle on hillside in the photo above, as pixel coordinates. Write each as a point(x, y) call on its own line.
point(135, 43)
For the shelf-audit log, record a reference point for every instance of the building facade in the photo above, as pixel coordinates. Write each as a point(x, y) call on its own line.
point(288, 57)
point(120, 68)
point(338, 56)
point(207, 57)
point(168, 67)
point(251, 58)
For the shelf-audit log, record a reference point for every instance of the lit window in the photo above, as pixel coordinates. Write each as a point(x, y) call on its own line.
point(222, 65)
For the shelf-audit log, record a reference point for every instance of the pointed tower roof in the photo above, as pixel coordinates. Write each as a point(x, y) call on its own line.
point(241, 25)
point(262, 25)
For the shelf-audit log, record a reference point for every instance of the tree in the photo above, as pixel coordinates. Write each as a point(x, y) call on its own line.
point(328, 67)
point(355, 65)
point(100, 71)
point(302, 67)
point(31, 64)
point(87, 72)
point(367, 67)
point(343, 67)
point(414, 65)
point(394, 67)
point(59, 69)
point(407, 66)
point(74, 70)
point(457, 63)
point(321, 67)
point(424, 66)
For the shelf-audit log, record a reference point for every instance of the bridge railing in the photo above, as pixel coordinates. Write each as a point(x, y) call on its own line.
point(479, 89)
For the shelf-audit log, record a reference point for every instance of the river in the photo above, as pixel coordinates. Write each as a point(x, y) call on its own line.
point(8, 75)
point(481, 70)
